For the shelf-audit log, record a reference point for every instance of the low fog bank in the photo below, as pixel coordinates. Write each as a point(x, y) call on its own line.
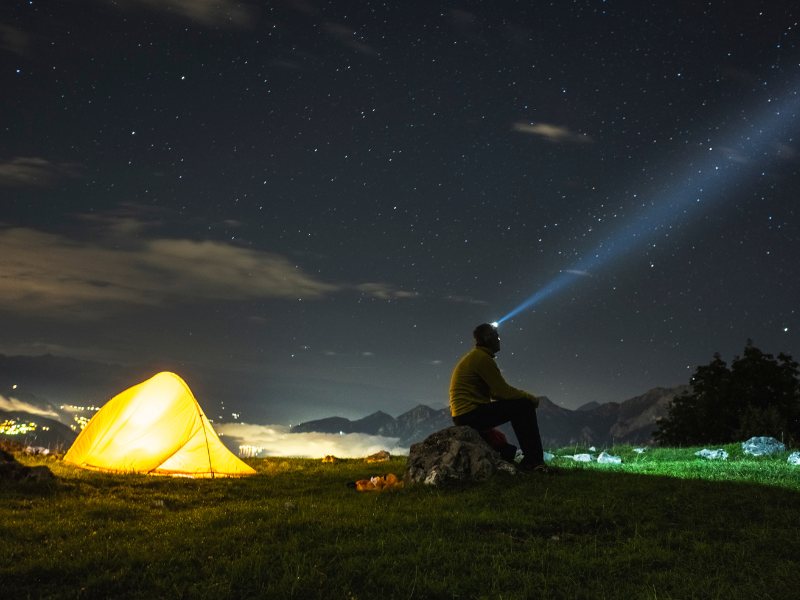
point(277, 440)
point(14, 405)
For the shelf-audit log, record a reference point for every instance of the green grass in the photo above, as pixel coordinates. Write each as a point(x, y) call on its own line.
point(664, 524)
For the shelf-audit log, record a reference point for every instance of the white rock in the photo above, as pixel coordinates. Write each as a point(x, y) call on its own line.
point(794, 458)
point(608, 459)
point(762, 446)
point(548, 456)
point(592, 449)
point(506, 467)
point(639, 450)
point(712, 454)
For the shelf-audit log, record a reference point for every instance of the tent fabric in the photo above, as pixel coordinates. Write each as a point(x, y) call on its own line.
point(156, 427)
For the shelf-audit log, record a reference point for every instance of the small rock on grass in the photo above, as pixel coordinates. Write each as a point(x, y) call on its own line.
point(762, 446)
point(606, 458)
point(719, 454)
point(581, 457)
point(381, 456)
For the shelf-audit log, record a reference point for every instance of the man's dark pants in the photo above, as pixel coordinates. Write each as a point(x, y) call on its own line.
point(522, 414)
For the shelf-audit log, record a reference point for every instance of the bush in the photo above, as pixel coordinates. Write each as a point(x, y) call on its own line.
point(758, 395)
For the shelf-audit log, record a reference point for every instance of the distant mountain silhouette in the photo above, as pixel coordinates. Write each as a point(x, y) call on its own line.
point(371, 423)
point(71, 381)
point(410, 427)
point(632, 421)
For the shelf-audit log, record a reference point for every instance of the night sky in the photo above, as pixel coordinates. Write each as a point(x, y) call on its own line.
point(322, 200)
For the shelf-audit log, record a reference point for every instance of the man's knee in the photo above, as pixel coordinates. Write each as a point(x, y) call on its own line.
point(524, 406)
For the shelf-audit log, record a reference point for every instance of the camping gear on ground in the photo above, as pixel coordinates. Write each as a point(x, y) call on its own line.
point(498, 441)
point(378, 484)
point(157, 428)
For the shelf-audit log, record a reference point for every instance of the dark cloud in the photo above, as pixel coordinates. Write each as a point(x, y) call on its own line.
point(36, 172)
point(47, 273)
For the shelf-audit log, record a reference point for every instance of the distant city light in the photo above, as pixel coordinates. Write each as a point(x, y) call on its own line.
point(14, 428)
point(72, 408)
point(249, 451)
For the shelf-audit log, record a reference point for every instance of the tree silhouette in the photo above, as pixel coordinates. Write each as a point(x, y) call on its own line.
point(758, 395)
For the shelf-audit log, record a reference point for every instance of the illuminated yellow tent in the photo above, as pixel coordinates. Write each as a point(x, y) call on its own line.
point(155, 427)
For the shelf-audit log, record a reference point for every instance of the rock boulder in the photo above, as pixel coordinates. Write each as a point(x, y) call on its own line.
point(762, 446)
point(455, 453)
point(12, 470)
point(381, 456)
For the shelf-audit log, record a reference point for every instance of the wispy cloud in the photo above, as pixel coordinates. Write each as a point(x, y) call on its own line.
point(734, 155)
point(553, 133)
point(36, 348)
point(468, 24)
point(465, 299)
point(383, 291)
point(348, 37)
point(739, 75)
point(785, 152)
point(44, 272)
point(14, 405)
point(36, 172)
point(13, 39)
point(277, 440)
point(577, 272)
point(224, 13)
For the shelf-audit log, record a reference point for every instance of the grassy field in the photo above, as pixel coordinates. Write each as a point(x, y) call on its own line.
point(664, 524)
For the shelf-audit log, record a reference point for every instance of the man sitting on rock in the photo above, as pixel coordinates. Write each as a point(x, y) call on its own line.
point(480, 398)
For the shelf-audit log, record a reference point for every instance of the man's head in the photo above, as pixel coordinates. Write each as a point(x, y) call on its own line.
point(486, 336)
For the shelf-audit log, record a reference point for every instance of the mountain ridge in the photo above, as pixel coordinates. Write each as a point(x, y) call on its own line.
point(32, 379)
point(630, 421)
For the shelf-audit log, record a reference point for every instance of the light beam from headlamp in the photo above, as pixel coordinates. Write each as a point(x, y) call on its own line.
point(704, 180)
